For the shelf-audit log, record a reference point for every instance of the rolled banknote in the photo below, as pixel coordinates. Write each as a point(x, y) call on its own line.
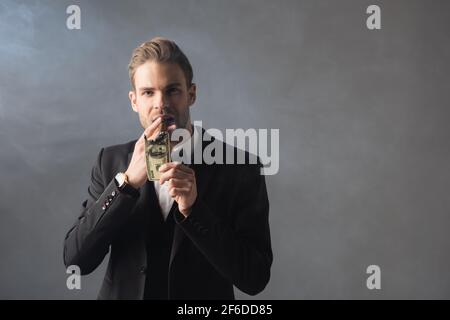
point(157, 153)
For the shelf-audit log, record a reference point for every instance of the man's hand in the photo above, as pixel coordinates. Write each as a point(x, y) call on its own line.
point(137, 169)
point(182, 185)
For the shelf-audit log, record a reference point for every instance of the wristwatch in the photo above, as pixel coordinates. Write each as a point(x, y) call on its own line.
point(121, 181)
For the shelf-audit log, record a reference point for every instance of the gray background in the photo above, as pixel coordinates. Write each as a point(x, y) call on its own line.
point(363, 116)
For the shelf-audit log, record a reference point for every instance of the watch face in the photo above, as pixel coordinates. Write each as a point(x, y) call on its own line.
point(120, 177)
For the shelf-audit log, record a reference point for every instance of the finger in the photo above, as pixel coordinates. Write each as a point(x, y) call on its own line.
point(179, 183)
point(151, 130)
point(139, 145)
point(178, 191)
point(177, 165)
point(141, 139)
point(175, 174)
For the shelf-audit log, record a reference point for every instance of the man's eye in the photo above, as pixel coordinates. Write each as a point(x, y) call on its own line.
point(148, 93)
point(174, 91)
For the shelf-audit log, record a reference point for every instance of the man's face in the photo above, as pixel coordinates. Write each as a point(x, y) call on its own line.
point(160, 85)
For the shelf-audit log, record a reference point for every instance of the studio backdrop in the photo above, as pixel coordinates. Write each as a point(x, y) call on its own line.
point(359, 91)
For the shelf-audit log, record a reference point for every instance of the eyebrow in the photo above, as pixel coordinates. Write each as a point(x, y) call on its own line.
point(170, 85)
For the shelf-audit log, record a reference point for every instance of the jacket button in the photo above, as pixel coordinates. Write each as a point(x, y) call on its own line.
point(103, 208)
point(143, 270)
point(113, 193)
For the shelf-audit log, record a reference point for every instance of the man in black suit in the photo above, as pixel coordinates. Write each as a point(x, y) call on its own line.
point(196, 232)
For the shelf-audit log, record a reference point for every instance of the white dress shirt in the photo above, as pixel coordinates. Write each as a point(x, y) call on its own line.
point(162, 191)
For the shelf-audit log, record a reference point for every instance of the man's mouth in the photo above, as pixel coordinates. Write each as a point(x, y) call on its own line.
point(169, 121)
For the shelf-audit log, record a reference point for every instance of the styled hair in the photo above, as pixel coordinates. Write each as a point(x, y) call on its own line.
point(159, 50)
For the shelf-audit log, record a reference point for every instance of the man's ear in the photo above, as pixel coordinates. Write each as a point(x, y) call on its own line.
point(192, 92)
point(132, 96)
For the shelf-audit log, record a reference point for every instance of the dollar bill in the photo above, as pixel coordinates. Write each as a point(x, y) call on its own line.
point(157, 153)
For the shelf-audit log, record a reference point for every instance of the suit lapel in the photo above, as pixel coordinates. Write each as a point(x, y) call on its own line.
point(203, 176)
point(178, 236)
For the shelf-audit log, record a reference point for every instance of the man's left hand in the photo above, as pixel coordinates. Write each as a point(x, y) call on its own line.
point(182, 184)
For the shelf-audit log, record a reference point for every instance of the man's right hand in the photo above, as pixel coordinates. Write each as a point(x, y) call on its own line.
point(137, 169)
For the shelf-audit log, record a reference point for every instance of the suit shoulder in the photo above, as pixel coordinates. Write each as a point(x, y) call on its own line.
point(242, 158)
point(113, 159)
point(119, 149)
point(239, 156)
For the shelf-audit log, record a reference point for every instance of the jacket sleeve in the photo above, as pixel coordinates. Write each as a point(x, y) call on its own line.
point(102, 214)
point(241, 249)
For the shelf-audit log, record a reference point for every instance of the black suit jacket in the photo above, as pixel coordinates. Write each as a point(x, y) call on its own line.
point(225, 241)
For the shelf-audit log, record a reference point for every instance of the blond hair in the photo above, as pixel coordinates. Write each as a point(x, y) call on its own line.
point(159, 50)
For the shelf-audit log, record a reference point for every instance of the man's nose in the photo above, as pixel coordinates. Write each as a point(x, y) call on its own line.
point(161, 105)
point(162, 110)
